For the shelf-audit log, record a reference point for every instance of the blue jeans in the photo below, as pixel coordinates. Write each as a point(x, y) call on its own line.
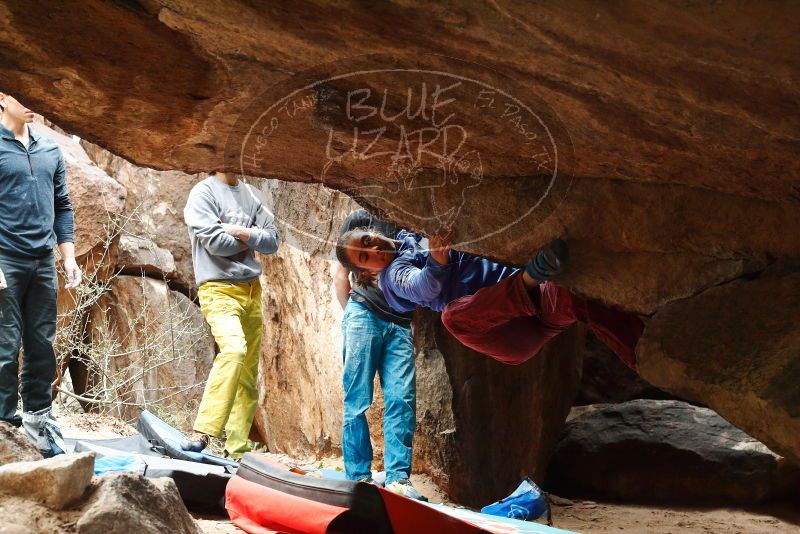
point(373, 345)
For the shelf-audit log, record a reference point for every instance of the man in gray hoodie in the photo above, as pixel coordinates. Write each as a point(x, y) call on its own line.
point(228, 223)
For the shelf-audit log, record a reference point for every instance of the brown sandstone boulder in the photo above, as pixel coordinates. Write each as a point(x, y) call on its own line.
point(16, 446)
point(27, 516)
point(97, 199)
point(138, 255)
point(114, 502)
point(56, 482)
point(125, 502)
point(153, 345)
point(484, 426)
point(605, 379)
point(300, 405)
point(671, 128)
point(660, 117)
point(154, 212)
point(745, 365)
point(650, 451)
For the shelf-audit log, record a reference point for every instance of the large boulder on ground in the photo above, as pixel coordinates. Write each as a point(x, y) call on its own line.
point(126, 502)
point(98, 202)
point(150, 346)
point(56, 482)
point(659, 138)
point(746, 367)
point(649, 451)
point(16, 446)
point(300, 405)
point(60, 495)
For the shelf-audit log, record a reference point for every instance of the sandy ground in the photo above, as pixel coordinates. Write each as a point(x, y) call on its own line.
point(589, 517)
point(576, 515)
point(216, 525)
point(91, 426)
point(601, 518)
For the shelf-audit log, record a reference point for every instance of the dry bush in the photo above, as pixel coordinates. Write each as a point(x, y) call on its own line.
point(120, 359)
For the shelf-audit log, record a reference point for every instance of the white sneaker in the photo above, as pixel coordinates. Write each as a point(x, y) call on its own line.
point(403, 487)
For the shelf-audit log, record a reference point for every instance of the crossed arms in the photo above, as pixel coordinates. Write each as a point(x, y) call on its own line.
point(221, 239)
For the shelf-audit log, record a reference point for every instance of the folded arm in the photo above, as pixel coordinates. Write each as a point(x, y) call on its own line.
point(263, 235)
point(201, 216)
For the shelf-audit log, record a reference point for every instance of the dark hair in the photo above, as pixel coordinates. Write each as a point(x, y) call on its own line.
point(362, 277)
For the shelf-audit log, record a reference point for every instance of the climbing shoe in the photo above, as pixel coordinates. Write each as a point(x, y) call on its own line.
point(403, 487)
point(196, 443)
point(548, 262)
point(41, 427)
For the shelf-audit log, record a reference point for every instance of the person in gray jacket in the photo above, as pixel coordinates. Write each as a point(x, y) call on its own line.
point(228, 223)
point(35, 216)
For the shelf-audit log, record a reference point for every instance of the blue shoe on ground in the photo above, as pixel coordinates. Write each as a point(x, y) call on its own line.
point(548, 262)
point(196, 443)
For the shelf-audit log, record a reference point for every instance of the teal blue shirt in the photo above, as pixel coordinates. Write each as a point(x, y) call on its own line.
point(35, 211)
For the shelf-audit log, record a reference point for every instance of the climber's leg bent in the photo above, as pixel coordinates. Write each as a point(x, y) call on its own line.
point(618, 329)
point(503, 322)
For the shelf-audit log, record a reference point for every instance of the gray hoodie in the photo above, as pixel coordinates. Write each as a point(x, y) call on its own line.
point(217, 255)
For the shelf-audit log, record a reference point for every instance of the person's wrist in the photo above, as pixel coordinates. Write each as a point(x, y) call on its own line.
point(436, 263)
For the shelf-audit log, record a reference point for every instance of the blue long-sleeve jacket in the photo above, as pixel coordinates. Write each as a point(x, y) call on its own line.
point(414, 278)
point(35, 210)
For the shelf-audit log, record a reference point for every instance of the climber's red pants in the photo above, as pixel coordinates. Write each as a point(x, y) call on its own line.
point(503, 322)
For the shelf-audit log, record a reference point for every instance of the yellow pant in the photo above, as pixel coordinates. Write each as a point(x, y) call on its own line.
point(233, 310)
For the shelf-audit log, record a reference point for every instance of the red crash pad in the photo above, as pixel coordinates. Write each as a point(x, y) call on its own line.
point(265, 497)
point(413, 517)
point(260, 510)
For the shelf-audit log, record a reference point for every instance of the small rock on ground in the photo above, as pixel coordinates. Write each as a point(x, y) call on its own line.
point(57, 482)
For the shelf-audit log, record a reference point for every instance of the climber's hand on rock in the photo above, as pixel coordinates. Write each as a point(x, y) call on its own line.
point(440, 246)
